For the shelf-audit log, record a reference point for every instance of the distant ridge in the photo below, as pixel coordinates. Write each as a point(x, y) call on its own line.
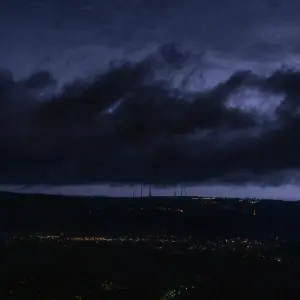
point(27, 194)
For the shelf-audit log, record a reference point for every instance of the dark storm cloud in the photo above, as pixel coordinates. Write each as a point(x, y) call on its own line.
point(125, 126)
point(71, 38)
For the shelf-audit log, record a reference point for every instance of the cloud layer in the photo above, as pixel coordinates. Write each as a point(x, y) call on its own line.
point(128, 126)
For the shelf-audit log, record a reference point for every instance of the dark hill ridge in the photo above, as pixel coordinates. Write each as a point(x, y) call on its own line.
point(136, 216)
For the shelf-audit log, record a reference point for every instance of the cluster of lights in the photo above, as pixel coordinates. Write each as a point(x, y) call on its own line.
point(160, 240)
point(174, 292)
point(48, 237)
point(180, 210)
point(90, 239)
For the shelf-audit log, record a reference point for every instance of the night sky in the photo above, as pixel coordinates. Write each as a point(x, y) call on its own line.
point(98, 96)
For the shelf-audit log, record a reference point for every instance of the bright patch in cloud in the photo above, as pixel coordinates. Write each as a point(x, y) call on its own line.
point(260, 103)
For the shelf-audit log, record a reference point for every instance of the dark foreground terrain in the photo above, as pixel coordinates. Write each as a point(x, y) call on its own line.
point(154, 248)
